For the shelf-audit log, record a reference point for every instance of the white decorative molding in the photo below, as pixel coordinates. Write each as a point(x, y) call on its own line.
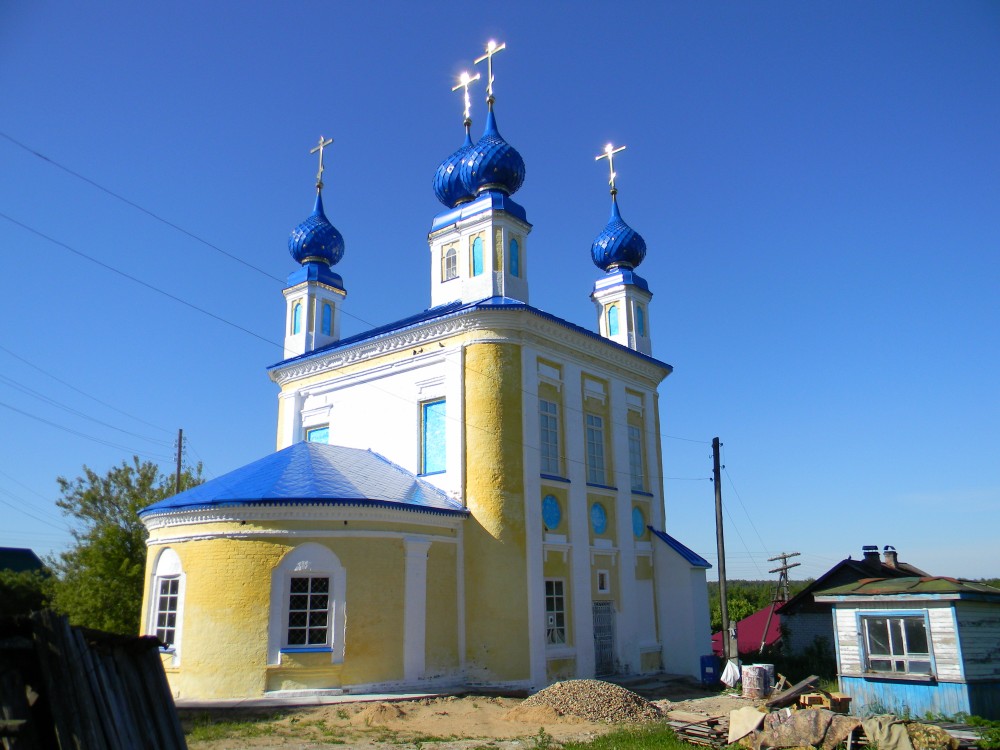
point(339, 513)
point(292, 534)
point(561, 549)
point(555, 538)
point(496, 325)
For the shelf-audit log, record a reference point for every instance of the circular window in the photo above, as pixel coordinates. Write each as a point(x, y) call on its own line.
point(551, 512)
point(598, 518)
point(638, 522)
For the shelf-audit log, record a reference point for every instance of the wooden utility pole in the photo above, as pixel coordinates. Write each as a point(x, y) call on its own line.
point(180, 451)
point(727, 645)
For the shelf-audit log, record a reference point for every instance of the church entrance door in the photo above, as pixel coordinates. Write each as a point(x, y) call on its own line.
point(604, 638)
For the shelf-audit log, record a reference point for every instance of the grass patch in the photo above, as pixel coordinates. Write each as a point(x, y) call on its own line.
point(646, 737)
point(206, 728)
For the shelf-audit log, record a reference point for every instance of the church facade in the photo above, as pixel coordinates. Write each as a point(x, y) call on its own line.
point(469, 496)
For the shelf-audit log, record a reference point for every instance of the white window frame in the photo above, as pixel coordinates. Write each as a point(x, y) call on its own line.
point(449, 263)
point(315, 428)
point(597, 470)
point(603, 582)
point(552, 626)
point(167, 568)
point(899, 658)
point(309, 560)
point(637, 471)
point(548, 437)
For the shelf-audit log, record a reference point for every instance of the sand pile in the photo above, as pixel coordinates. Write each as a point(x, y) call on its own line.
point(591, 700)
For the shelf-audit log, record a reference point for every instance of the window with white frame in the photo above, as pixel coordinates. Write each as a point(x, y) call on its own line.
point(307, 603)
point(165, 598)
point(308, 611)
point(635, 463)
point(548, 417)
point(896, 643)
point(449, 264)
point(603, 582)
point(432, 437)
point(595, 449)
point(555, 613)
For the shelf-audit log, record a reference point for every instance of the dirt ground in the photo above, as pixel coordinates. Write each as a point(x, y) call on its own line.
point(445, 723)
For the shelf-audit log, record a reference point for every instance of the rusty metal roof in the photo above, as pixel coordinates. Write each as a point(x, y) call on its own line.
point(913, 586)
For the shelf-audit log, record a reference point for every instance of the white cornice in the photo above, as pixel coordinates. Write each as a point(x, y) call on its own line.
point(321, 513)
point(499, 325)
point(295, 534)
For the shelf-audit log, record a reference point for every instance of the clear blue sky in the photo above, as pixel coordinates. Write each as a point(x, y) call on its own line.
point(818, 185)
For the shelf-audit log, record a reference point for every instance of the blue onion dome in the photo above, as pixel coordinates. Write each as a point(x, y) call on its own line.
point(493, 164)
point(316, 239)
point(618, 245)
point(448, 185)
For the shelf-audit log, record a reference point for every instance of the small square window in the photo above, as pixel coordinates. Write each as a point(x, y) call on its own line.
point(603, 582)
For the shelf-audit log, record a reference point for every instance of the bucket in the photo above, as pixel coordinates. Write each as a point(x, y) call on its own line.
point(755, 680)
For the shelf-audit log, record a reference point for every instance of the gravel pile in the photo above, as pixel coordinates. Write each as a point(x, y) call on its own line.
point(595, 700)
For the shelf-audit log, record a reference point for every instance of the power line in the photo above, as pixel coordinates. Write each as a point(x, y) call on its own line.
point(136, 206)
point(135, 279)
point(79, 390)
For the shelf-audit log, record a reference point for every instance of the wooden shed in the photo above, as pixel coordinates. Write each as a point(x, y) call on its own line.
point(918, 645)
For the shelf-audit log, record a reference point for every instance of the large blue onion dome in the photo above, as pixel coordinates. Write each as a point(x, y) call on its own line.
point(316, 239)
point(492, 164)
point(448, 185)
point(618, 245)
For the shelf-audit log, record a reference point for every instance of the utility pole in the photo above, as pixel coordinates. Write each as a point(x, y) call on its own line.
point(180, 451)
point(727, 645)
point(780, 589)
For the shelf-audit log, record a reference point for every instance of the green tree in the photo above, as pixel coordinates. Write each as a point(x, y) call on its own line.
point(99, 579)
point(24, 591)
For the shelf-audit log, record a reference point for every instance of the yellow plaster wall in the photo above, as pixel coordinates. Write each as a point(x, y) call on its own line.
point(226, 609)
point(611, 530)
point(643, 568)
point(649, 662)
point(562, 495)
point(441, 654)
point(560, 669)
point(496, 594)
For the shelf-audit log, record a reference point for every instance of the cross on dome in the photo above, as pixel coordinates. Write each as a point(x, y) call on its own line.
point(319, 175)
point(464, 81)
point(491, 49)
point(609, 154)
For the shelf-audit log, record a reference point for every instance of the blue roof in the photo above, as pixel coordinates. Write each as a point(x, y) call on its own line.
point(316, 239)
point(618, 245)
point(459, 308)
point(487, 200)
point(696, 560)
point(315, 474)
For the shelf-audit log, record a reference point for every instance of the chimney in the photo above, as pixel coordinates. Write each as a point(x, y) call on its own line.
point(889, 555)
point(871, 559)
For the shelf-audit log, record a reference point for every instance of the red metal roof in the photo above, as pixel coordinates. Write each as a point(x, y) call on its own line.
point(750, 629)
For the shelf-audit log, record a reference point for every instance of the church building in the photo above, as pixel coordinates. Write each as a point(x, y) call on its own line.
point(470, 496)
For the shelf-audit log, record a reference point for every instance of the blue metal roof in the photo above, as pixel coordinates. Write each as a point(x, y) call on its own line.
point(618, 245)
point(492, 164)
point(460, 308)
point(488, 200)
point(315, 474)
point(447, 183)
point(690, 555)
point(316, 238)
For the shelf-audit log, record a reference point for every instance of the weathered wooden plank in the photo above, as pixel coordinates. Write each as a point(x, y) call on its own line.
point(160, 692)
point(116, 688)
point(791, 695)
point(58, 688)
point(84, 698)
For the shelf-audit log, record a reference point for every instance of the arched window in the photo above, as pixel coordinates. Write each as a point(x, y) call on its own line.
point(477, 256)
point(515, 258)
point(297, 318)
point(640, 320)
point(327, 319)
point(613, 320)
point(307, 603)
point(449, 264)
point(166, 601)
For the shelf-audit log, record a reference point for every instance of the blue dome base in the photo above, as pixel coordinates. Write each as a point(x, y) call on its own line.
point(314, 271)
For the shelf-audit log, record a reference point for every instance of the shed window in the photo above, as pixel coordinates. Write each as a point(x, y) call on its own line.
point(897, 644)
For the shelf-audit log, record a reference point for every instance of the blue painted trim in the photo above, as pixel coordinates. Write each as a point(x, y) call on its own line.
point(307, 650)
point(554, 478)
point(602, 486)
point(455, 309)
point(643, 493)
point(688, 554)
point(432, 473)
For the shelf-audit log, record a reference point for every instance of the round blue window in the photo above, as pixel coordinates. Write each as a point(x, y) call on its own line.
point(551, 512)
point(598, 518)
point(638, 522)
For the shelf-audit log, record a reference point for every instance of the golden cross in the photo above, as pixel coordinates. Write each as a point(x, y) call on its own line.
point(609, 154)
point(491, 49)
point(464, 81)
point(322, 144)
